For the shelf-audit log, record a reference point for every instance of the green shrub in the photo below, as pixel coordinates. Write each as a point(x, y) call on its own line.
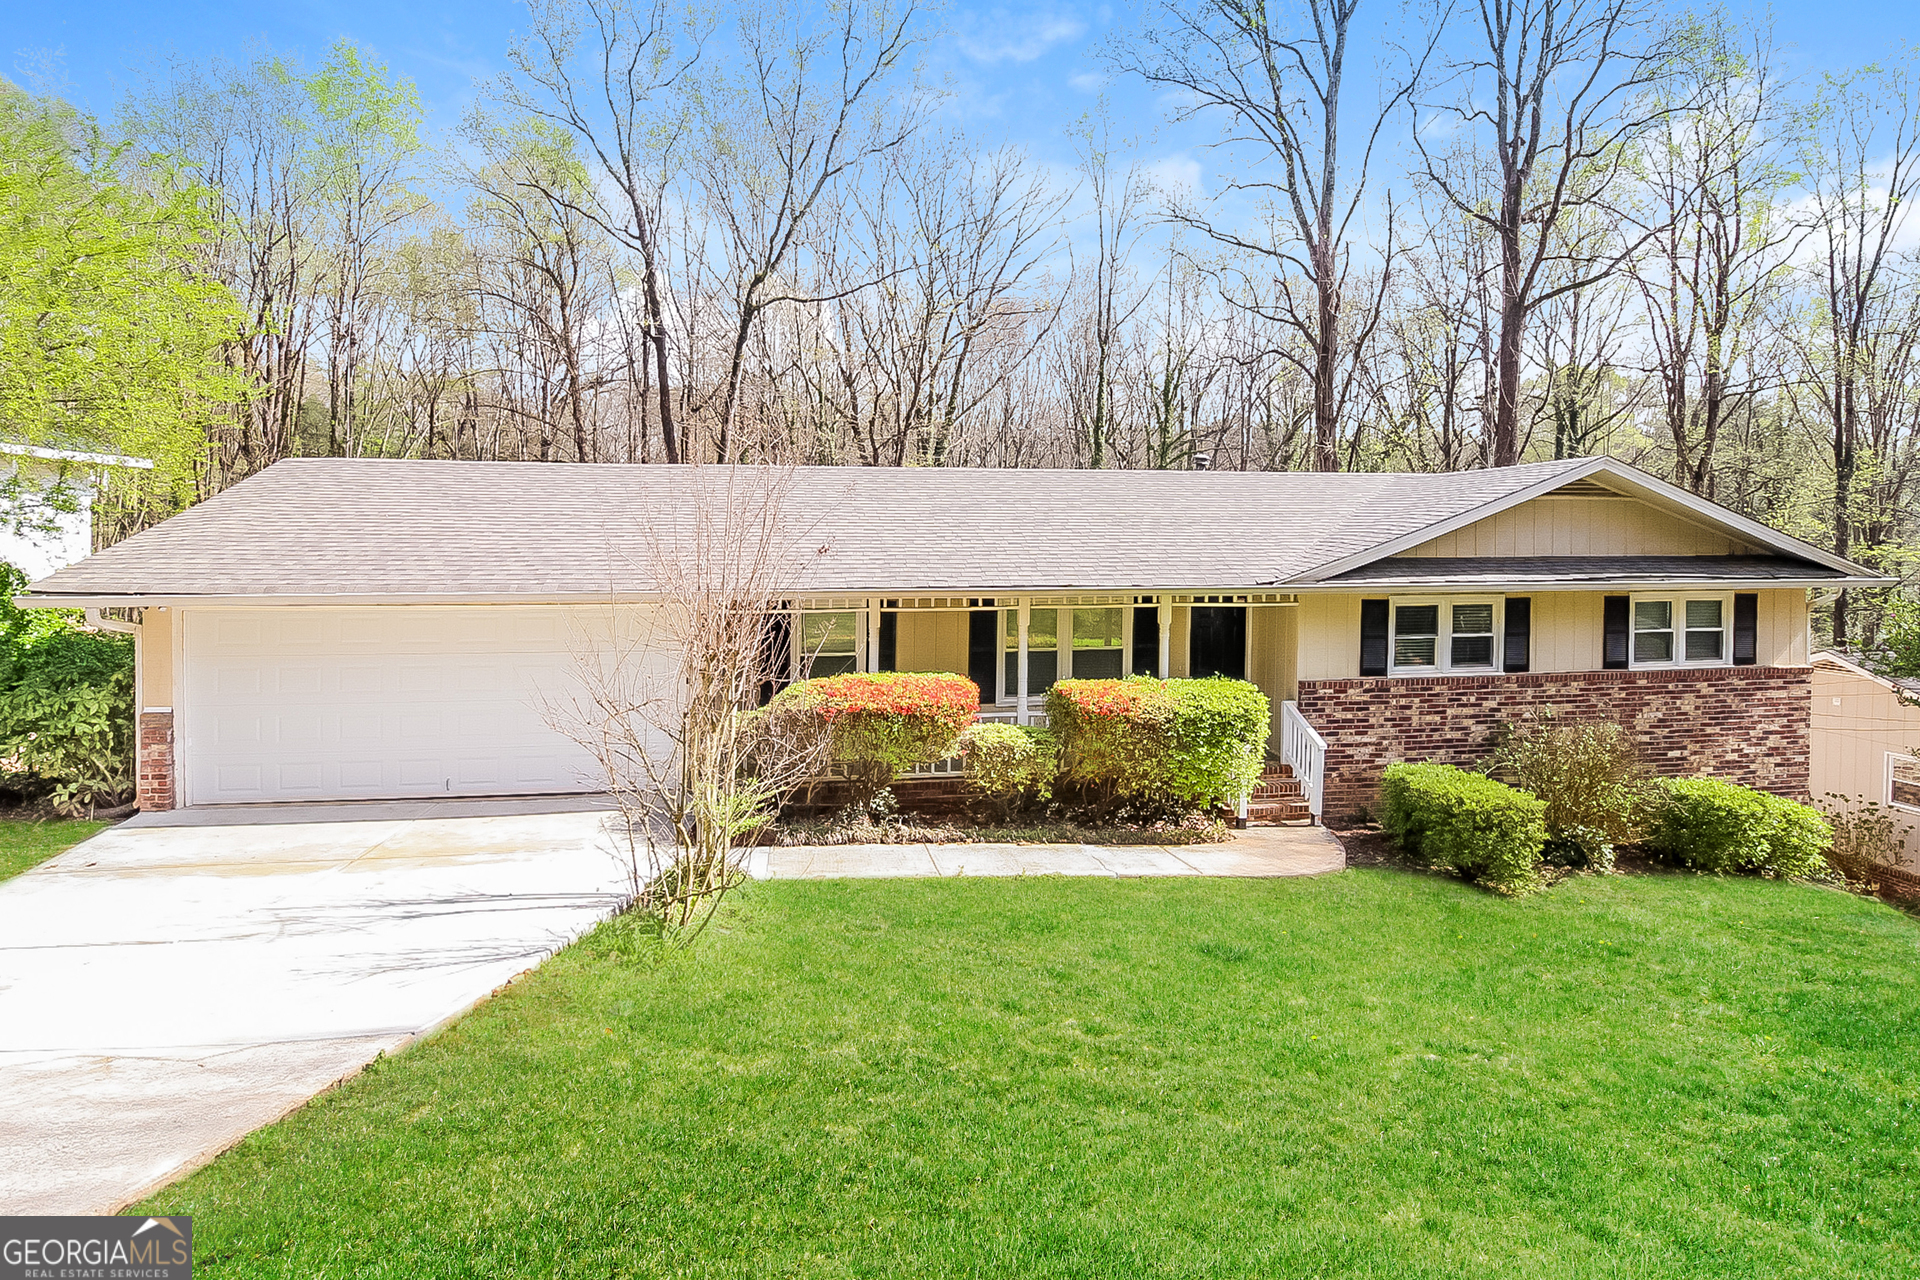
point(884, 722)
point(1467, 822)
point(1158, 744)
point(66, 703)
point(1011, 765)
point(1588, 775)
point(1714, 825)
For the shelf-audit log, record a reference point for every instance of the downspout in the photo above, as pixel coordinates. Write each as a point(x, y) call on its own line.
point(97, 622)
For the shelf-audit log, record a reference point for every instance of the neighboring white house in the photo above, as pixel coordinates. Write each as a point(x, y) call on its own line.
point(1865, 730)
point(48, 520)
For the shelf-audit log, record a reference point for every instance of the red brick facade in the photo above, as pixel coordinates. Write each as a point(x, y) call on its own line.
point(1748, 724)
point(154, 765)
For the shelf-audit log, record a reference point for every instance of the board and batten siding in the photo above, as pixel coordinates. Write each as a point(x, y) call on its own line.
point(1567, 631)
point(1582, 527)
point(931, 641)
point(1857, 723)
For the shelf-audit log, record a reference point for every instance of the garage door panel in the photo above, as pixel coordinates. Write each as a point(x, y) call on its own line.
point(365, 703)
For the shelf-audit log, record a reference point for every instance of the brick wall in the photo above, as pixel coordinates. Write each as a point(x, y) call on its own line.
point(1748, 724)
point(154, 767)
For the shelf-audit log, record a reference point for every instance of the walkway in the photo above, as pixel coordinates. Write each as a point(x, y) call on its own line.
point(1257, 851)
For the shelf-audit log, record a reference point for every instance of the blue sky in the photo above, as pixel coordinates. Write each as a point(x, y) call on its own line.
point(1020, 72)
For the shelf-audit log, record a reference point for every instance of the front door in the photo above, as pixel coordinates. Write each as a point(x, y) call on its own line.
point(1219, 642)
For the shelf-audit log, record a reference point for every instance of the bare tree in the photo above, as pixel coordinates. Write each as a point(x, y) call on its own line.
point(610, 72)
point(1548, 108)
point(1278, 79)
point(669, 700)
point(811, 108)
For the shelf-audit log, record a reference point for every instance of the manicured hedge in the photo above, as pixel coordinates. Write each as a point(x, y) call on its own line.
point(66, 704)
point(1713, 825)
point(1467, 822)
point(881, 723)
point(1167, 743)
point(1012, 766)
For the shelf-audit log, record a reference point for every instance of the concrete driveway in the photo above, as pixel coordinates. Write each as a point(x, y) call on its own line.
point(180, 980)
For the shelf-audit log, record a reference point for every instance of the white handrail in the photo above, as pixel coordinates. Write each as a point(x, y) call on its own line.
point(1305, 751)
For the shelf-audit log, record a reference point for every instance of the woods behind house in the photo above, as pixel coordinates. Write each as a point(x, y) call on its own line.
point(1509, 230)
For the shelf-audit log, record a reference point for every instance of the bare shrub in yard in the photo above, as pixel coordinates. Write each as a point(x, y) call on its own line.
point(669, 700)
point(1865, 833)
point(1589, 776)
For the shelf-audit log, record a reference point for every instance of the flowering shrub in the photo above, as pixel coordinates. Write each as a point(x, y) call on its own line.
point(882, 722)
point(1168, 744)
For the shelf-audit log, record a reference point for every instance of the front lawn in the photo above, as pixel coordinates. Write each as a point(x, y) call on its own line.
point(28, 844)
point(1368, 1074)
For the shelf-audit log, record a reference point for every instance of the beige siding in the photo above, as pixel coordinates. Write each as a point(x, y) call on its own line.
point(1270, 655)
point(1857, 723)
point(155, 658)
point(1329, 643)
point(1177, 642)
point(931, 642)
point(1567, 632)
point(1782, 630)
point(1581, 527)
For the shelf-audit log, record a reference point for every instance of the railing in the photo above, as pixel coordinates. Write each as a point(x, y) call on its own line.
point(1305, 751)
point(1011, 715)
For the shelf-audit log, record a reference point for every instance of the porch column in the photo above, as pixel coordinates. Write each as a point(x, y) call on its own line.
point(1026, 613)
point(1166, 639)
point(872, 662)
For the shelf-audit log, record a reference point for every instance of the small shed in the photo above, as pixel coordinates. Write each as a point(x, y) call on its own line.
point(1865, 731)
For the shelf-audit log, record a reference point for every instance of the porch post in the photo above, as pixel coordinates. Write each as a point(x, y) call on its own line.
point(873, 636)
point(1166, 639)
point(1026, 612)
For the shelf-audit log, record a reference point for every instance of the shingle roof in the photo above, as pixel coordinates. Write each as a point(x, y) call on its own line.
point(1527, 571)
point(361, 527)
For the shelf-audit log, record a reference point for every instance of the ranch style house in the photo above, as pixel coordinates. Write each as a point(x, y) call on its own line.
point(340, 629)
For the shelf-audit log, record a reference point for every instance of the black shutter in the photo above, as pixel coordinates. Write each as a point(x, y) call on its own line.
point(889, 641)
point(1373, 637)
point(983, 640)
point(1146, 641)
point(1746, 630)
point(1613, 655)
point(1519, 632)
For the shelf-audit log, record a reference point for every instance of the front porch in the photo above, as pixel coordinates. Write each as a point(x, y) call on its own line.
point(1015, 647)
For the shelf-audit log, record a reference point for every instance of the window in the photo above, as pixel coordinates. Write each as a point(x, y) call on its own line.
point(1680, 630)
point(1097, 651)
point(1416, 635)
point(1903, 780)
point(830, 643)
point(1434, 636)
point(1043, 652)
point(1472, 642)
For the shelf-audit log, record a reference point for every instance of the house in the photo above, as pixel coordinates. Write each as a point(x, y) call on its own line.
point(49, 503)
point(340, 628)
point(1865, 730)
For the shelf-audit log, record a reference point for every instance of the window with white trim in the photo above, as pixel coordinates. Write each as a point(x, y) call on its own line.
point(1681, 631)
point(1064, 644)
point(829, 643)
point(1435, 635)
point(1903, 780)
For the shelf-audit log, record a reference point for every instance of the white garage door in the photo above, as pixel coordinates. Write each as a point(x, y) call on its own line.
point(326, 704)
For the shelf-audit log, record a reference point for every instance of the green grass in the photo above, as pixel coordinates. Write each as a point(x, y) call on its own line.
point(1370, 1074)
point(28, 844)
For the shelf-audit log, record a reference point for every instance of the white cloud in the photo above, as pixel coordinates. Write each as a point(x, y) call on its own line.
point(1087, 81)
point(999, 36)
point(1177, 175)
